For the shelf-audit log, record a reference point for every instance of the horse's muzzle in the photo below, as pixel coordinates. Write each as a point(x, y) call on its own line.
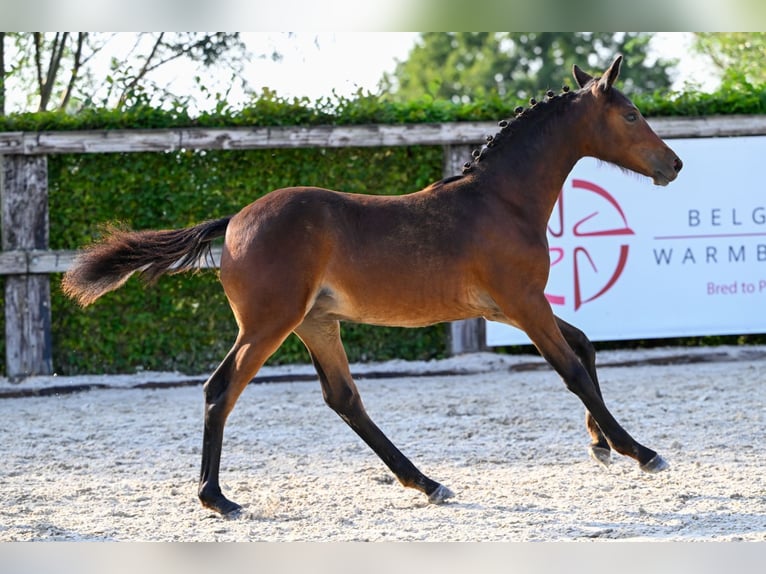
point(664, 174)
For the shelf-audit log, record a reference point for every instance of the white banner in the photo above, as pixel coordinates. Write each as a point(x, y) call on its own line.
point(630, 260)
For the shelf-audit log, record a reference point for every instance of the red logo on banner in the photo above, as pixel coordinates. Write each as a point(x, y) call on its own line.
point(580, 254)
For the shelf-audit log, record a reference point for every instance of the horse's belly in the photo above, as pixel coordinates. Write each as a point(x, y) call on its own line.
point(400, 309)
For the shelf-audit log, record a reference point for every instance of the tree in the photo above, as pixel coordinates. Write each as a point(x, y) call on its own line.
point(464, 66)
point(56, 70)
point(737, 55)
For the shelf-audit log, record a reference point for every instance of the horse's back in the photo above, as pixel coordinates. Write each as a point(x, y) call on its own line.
point(390, 260)
point(399, 225)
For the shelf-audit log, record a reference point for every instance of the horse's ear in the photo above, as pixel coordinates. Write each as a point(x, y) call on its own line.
point(580, 77)
point(609, 77)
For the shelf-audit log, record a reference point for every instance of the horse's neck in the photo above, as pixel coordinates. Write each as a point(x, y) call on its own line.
point(530, 175)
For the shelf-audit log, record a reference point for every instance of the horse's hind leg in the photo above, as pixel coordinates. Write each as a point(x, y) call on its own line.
point(221, 393)
point(599, 449)
point(322, 338)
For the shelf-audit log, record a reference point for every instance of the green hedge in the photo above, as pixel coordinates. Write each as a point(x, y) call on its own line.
point(183, 323)
point(735, 96)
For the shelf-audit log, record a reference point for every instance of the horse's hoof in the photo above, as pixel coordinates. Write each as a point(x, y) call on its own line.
point(235, 513)
point(601, 455)
point(439, 495)
point(222, 505)
point(656, 464)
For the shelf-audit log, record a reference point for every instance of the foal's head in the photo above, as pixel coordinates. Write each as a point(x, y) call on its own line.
point(620, 133)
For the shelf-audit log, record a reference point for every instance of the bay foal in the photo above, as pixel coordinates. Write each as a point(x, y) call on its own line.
point(303, 259)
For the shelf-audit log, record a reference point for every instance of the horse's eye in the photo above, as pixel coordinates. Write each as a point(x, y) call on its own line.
point(631, 116)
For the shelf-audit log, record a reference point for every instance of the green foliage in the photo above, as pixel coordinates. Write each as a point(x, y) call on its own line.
point(737, 55)
point(184, 322)
point(734, 96)
point(469, 66)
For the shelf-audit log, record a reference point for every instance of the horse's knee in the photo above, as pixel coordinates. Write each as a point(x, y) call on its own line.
point(577, 380)
point(583, 347)
point(579, 342)
point(587, 349)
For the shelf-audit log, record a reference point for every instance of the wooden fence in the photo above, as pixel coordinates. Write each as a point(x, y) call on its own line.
point(26, 262)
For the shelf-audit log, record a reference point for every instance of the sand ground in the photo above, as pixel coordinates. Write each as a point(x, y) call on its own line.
point(120, 461)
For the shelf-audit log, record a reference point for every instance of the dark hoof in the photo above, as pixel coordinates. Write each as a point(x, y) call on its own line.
point(656, 464)
point(233, 514)
point(439, 495)
point(601, 455)
point(221, 505)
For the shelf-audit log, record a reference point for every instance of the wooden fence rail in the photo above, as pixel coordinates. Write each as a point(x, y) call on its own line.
point(26, 261)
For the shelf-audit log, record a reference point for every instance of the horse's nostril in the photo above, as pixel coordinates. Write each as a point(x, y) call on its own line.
point(678, 164)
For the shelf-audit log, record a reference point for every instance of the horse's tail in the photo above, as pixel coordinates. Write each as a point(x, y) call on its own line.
point(106, 265)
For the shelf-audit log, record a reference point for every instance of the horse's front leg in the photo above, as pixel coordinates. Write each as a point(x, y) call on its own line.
point(537, 320)
point(599, 448)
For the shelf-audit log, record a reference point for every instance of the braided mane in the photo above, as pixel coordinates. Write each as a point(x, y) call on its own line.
point(523, 118)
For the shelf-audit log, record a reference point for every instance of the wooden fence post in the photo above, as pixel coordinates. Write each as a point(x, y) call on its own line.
point(24, 198)
point(468, 336)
